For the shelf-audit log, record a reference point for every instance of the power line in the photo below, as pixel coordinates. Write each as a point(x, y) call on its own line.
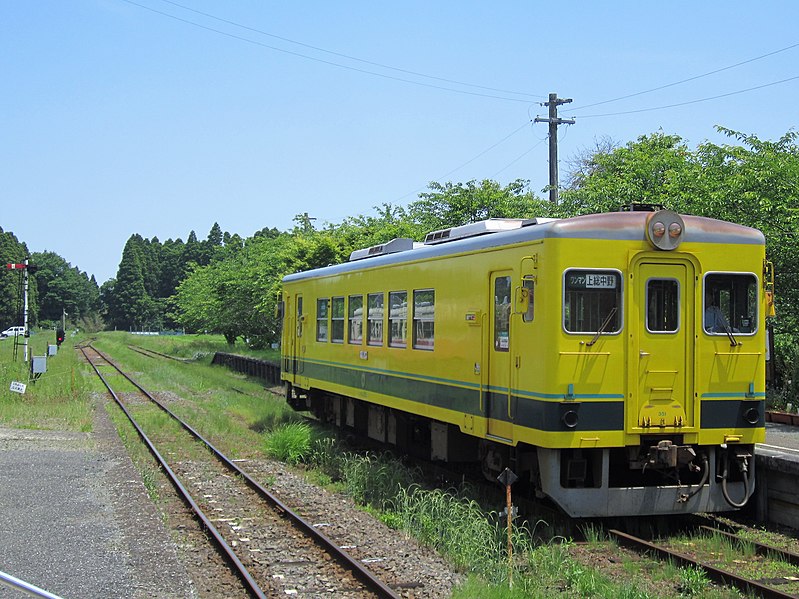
point(457, 168)
point(654, 89)
point(740, 91)
point(519, 157)
point(321, 60)
point(348, 56)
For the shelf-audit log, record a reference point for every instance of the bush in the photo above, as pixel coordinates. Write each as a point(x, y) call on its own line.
point(290, 443)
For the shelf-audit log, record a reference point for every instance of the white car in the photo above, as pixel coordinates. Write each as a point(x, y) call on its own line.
point(13, 332)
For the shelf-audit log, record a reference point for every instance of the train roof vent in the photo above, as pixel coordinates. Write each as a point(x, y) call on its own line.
point(492, 225)
point(400, 244)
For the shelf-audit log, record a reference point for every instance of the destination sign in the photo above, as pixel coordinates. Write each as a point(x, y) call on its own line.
point(582, 279)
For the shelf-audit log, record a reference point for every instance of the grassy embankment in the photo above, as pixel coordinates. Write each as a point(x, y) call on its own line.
point(59, 400)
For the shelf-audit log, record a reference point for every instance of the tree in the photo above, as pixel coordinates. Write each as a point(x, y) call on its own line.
point(132, 307)
point(63, 288)
point(449, 205)
point(643, 171)
point(13, 251)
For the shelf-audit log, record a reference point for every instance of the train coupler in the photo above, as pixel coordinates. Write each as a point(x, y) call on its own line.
point(668, 455)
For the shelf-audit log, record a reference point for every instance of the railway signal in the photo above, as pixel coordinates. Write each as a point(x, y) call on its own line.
point(25, 268)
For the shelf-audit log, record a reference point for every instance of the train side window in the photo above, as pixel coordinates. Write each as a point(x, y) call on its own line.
point(662, 305)
point(529, 284)
point(321, 319)
point(424, 305)
point(730, 304)
point(337, 320)
point(355, 329)
point(592, 301)
point(398, 318)
point(300, 319)
point(502, 292)
point(374, 319)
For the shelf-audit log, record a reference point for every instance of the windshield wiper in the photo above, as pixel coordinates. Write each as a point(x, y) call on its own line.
point(604, 325)
point(728, 330)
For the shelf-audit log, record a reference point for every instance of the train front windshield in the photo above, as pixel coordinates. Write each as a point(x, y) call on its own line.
point(730, 304)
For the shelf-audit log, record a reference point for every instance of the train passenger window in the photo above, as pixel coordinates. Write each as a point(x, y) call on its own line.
point(398, 318)
point(502, 296)
point(592, 301)
point(355, 330)
point(321, 319)
point(374, 319)
point(662, 305)
point(337, 320)
point(424, 303)
point(730, 305)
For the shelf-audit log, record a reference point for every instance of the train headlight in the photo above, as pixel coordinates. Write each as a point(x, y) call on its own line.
point(665, 229)
point(752, 415)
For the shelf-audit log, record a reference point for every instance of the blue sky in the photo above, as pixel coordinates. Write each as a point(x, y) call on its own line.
point(116, 119)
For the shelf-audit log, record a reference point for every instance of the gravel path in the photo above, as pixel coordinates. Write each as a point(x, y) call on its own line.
point(75, 519)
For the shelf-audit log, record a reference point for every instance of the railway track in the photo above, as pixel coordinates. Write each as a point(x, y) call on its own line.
point(270, 547)
point(151, 353)
point(763, 587)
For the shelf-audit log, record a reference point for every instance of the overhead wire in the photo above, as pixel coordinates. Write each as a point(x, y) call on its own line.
point(322, 60)
point(457, 168)
point(677, 104)
point(694, 78)
point(348, 56)
point(519, 157)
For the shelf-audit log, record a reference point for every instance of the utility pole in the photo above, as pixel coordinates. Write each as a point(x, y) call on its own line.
point(554, 121)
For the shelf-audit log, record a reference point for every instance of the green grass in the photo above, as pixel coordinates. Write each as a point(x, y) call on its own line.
point(289, 443)
point(59, 399)
point(227, 407)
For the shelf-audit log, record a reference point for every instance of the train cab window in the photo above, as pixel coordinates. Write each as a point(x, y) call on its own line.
point(337, 320)
point(355, 329)
point(592, 301)
point(374, 319)
point(321, 319)
point(424, 303)
point(398, 318)
point(502, 295)
point(662, 305)
point(730, 304)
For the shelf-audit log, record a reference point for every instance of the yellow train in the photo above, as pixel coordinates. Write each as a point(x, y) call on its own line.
point(616, 361)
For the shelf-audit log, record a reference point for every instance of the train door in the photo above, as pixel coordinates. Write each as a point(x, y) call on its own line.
point(663, 294)
point(499, 405)
point(296, 321)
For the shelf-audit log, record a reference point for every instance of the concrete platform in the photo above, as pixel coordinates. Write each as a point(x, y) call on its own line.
point(75, 519)
point(776, 499)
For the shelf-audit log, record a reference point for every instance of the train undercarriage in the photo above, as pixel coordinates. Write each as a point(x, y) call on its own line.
point(660, 476)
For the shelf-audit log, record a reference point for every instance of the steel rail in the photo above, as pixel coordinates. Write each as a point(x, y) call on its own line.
point(760, 548)
point(151, 353)
point(341, 556)
point(719, 575)
point(230, 555)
